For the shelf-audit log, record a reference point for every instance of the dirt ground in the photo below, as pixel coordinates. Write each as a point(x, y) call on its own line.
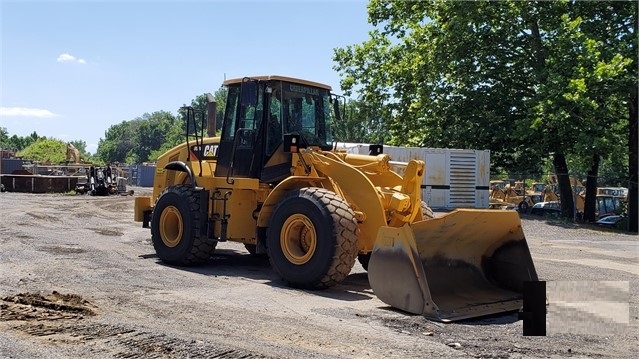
point(79, 278)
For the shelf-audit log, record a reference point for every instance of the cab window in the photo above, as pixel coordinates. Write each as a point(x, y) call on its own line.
point(306, 110)
point(228, 132)
point(240, 117)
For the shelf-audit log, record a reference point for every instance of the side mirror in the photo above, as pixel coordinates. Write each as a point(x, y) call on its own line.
point(375, 150)
point(338, 115)
point(248, 93)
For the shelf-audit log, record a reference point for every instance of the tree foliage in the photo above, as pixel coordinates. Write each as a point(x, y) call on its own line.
point(527, 80)
point(134, 141)
point(39, 148)
point(16, 143)
point(157, 131)
point(46, 150)
point(145, 138)
point(200, 105)
point(119, 142)
point(360, 123)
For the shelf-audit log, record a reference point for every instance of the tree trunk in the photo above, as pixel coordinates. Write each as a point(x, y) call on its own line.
point(591, 190)
point(563, 181)
point(633, 165)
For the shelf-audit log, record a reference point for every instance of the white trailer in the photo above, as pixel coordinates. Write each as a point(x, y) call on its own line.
point(454, 178)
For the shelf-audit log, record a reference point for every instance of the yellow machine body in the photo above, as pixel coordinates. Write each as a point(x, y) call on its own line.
point(466, 263)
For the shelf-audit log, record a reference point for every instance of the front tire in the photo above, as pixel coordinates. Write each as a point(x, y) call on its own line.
point(312, 238)
point(175, 227)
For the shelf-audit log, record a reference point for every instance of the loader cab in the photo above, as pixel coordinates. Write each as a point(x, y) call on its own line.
point(259, 112)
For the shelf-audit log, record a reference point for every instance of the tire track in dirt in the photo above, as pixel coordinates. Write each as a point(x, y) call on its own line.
point(62, 318)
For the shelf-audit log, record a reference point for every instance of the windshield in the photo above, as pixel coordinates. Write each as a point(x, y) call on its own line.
point(307, 111)
point(289, 108)
point(539, 187)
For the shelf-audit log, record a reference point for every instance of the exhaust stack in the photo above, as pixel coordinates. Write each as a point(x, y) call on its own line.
point(211, 112)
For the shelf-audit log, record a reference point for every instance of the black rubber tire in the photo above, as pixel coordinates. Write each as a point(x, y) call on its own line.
point(523, 207)
point(335, 233)
point(183, 203)
point(427, 213)
point(252, 249)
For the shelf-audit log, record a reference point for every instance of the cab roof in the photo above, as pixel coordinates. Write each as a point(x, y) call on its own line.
point(277, 78)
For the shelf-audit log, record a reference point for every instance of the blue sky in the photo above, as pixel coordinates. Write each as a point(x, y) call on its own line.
point(71, 69)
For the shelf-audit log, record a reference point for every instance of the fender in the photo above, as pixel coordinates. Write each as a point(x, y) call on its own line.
point(289, 184)
point(182, 167)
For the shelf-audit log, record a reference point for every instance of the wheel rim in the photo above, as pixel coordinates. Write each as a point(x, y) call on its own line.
point(298, 239)
point(171, 226)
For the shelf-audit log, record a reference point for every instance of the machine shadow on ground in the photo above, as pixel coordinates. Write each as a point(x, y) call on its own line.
point(499, 318)
point(237, 263)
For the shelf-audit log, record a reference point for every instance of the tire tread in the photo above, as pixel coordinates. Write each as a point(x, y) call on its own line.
point(202, 248)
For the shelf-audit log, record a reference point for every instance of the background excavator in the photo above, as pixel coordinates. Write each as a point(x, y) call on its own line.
point(74, 153)
point(275, 182)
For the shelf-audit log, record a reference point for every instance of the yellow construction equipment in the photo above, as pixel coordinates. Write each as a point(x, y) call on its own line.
point(275, 182)
point(74, 153)
point(504, 196)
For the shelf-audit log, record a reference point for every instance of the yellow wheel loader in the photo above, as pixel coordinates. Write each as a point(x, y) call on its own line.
point(275, 182)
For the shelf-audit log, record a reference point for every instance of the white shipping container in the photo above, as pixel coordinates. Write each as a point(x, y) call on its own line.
point(454, 178)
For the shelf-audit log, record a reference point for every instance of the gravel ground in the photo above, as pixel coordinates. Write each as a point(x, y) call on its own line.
point(79, 278)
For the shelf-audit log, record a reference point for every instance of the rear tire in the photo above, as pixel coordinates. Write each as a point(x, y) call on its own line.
point(175, 227)
point(312, 238)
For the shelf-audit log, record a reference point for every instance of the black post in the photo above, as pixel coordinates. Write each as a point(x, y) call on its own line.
point(534, 310)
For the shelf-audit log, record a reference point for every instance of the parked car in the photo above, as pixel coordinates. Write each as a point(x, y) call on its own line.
point(543, 208)
point(607, 205)
point(609, 221)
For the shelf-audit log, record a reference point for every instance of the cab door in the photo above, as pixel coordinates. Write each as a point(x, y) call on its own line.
point(240, 146)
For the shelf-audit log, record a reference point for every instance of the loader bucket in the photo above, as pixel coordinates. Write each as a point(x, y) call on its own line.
point(467, 263)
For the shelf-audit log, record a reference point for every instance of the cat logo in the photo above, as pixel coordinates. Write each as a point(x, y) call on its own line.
point(210, 150)
point(209, 153)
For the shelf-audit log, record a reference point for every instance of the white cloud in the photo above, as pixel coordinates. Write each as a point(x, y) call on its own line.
point(70, 58)
point(25, 112)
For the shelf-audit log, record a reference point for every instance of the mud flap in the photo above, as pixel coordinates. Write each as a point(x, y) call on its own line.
point(465, 264)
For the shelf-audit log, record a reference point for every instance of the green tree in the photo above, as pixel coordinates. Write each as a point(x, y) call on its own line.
point(159, 130)
point(584, 97)
point(519, 78)
point(16, 142)
point(199, 103)
point(220, 99)
point(46, 150)
point(4, 136)
point(360, 123)
point(119, 143)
